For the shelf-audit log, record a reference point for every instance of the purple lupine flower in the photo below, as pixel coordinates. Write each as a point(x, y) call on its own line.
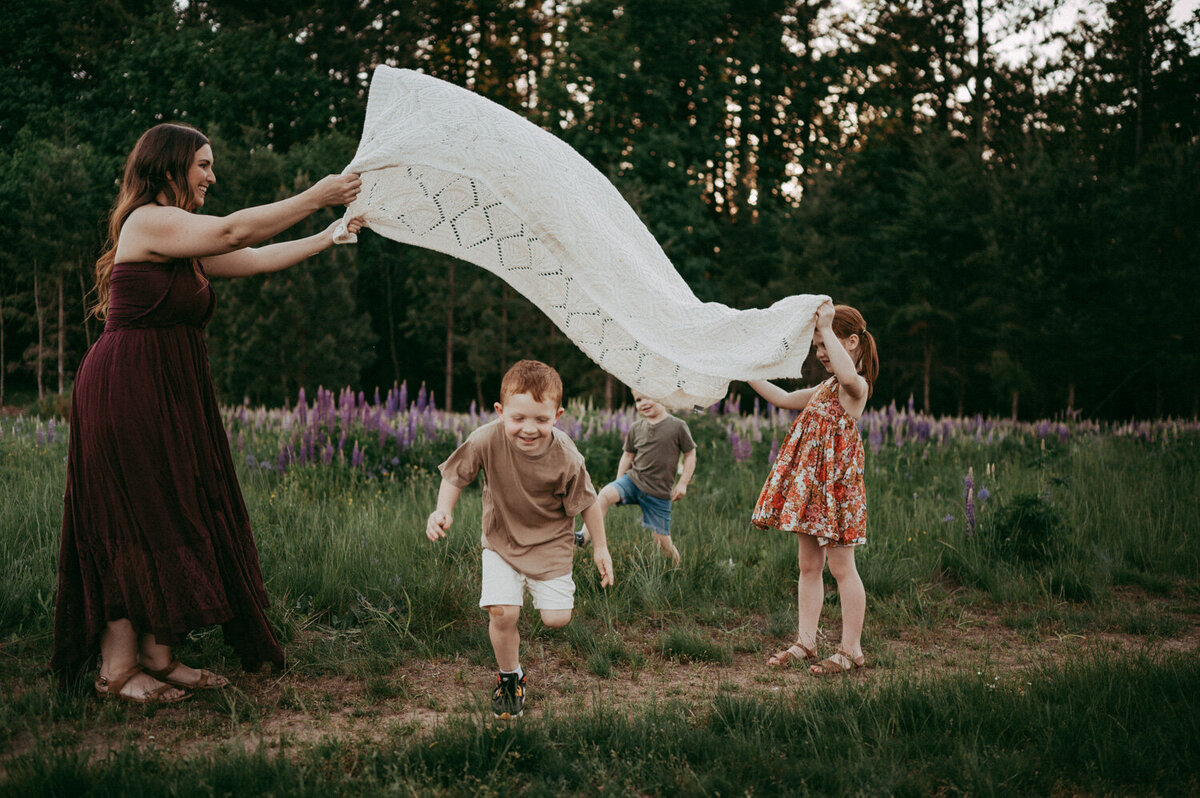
point(876, 437)
point(984, 494)
point(969, 501)
point(356, 456)
point(422, 399)
point(773, 452)
point(402, 399)
point(378, 402)
point(327, 453)
point(948, 519)
point(910, 404)
point(241, 442)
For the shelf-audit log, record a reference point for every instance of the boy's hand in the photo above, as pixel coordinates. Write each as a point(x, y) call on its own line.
point(603, 565)
point(679, 491)
point(439, 522)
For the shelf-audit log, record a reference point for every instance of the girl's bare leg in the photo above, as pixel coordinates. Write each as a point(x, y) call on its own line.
point(851, 595)
point(810, 591)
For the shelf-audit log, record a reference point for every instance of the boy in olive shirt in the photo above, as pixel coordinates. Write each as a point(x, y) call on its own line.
point(647, 469)
point(535, 483)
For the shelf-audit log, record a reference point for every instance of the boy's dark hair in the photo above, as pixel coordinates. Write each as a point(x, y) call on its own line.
point(534, 378)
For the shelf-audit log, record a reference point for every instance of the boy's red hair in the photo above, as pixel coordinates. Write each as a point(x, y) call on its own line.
point(534, 378)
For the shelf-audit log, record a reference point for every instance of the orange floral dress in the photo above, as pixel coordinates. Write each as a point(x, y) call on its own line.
point(816, 484)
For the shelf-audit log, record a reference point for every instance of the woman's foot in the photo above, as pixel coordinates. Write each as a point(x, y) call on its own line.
point(180, 675)
point(137, 687)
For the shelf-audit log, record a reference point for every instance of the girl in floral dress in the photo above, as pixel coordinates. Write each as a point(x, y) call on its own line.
point(816, 485)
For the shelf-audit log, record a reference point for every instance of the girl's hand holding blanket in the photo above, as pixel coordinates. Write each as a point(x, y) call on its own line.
point(824, 315)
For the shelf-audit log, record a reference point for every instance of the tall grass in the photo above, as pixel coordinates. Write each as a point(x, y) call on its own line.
point(342, 548)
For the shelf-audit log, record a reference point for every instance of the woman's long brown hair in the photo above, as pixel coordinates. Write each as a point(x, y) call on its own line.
point(846, 322)
point(159, 163)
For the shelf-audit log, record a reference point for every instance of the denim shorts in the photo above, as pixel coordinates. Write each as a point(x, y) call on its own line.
point(656, 512)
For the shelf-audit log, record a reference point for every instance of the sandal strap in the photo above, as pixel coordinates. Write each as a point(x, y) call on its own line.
point(797, 652)
point(113, 686)
point(206, 677)
point(840, 662)
point(157, 693)
point(163, 673)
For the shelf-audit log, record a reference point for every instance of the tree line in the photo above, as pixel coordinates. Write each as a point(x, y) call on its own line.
point(1020, 230)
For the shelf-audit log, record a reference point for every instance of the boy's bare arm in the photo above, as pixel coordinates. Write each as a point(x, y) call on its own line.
point(593, 518)
point(441, 518)
point(689, 468)
point(625, 464)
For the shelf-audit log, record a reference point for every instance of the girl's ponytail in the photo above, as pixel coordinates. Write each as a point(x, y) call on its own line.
point(846, 322)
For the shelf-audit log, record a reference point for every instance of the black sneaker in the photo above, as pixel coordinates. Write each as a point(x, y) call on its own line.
point(508, 699)
point(579, 540)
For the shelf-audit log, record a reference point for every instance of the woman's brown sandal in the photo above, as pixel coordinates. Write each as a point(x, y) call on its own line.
point(797, 653)
point(207, 681)
point(841, 662)
point(111, 688)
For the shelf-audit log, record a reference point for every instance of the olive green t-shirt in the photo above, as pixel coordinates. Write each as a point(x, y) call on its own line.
point(529, 501)
point(656, 449)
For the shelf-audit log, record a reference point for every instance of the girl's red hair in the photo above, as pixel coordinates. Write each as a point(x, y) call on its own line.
point(846, 322)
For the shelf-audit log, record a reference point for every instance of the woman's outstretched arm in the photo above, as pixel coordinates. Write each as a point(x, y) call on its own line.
point(273, 257)
point(153, 231)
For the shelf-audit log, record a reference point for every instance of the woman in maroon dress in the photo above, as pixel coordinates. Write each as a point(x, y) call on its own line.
point(156, 540)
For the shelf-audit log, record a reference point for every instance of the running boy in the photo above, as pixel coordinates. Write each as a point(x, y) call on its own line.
point(646, 471)
point(535, 483)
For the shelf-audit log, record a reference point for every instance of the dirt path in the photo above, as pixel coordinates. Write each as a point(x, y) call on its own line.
point(293, 712)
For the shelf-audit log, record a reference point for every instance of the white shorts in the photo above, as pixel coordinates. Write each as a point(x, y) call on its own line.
point(503, 584)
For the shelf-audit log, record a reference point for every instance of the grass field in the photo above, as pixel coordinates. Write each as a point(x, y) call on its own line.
point(1036, 634)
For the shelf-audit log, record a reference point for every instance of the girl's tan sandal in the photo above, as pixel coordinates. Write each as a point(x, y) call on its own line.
point(111, 688)
point(841, 662)
point(207, 681)
point(796, 653)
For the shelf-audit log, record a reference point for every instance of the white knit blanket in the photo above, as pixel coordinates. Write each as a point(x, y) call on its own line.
point(446, 169)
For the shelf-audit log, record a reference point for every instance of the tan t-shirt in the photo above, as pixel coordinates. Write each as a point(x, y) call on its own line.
point(656, 449)
point(529, 501)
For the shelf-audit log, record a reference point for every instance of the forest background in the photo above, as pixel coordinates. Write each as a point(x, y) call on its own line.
point(1018, 222)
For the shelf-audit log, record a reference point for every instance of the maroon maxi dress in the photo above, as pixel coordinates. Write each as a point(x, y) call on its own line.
point(154, 526)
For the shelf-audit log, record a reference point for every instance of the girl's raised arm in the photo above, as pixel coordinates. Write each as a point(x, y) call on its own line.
point(852, 384)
